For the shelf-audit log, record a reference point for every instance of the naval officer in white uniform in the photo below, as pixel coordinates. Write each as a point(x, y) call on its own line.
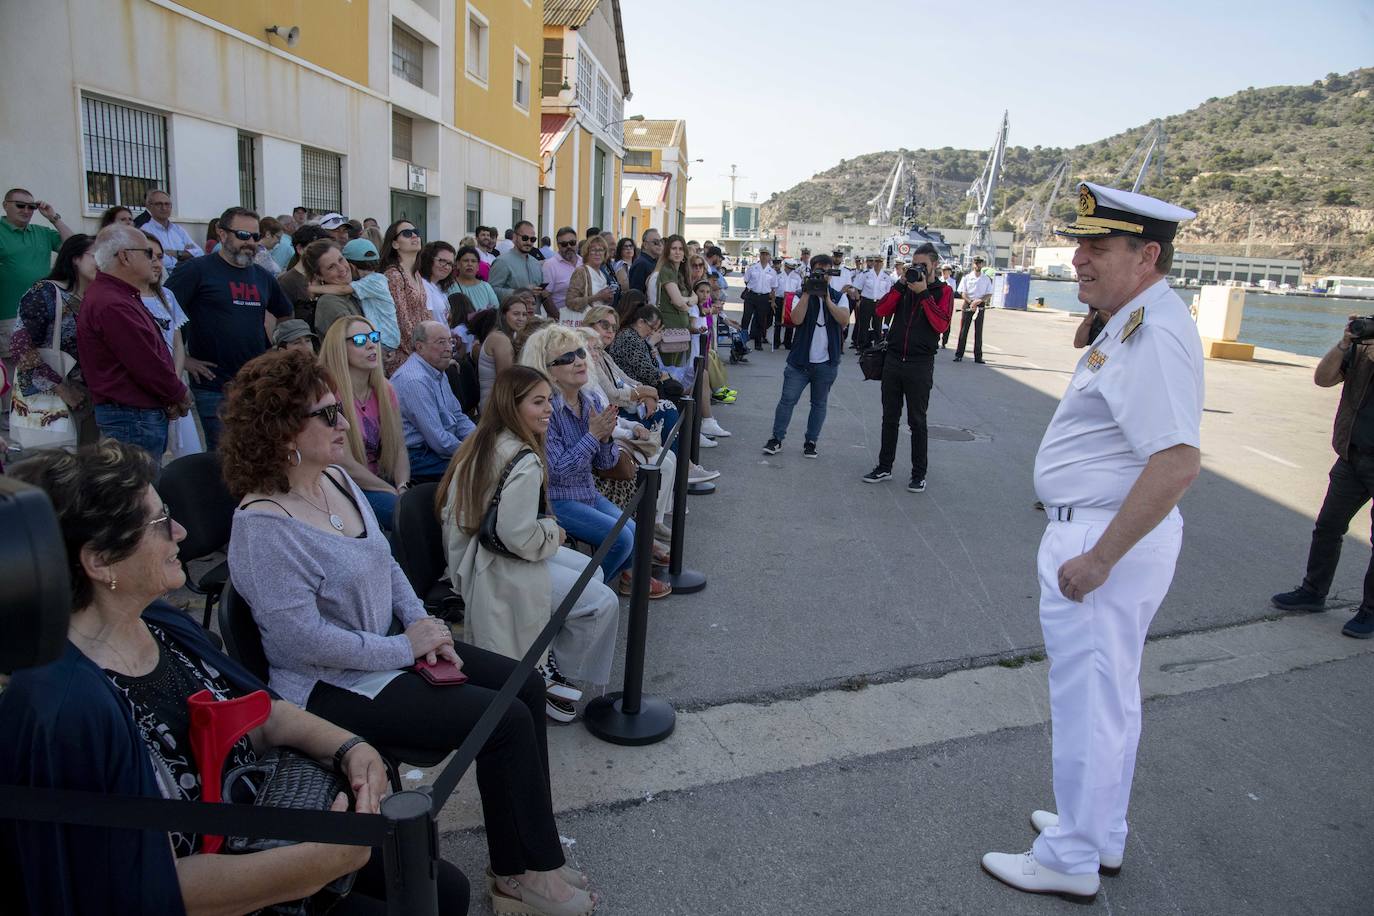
point(1119, 453)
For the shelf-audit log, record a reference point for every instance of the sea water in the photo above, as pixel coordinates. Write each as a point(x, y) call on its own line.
point(1299, 324)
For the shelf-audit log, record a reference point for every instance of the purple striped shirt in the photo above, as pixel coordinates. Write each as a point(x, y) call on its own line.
point(573, 451)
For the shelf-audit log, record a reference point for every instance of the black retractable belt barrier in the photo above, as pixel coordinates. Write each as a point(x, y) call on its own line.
point(684, 581)
point(629, 717)
point(411, 854)
point(693, 431)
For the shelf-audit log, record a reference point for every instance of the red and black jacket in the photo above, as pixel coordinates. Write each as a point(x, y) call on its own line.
point(918, 319)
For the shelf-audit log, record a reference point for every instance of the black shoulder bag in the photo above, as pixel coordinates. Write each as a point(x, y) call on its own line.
point(486, 534)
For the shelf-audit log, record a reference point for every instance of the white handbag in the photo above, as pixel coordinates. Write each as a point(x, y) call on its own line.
point(44, 420)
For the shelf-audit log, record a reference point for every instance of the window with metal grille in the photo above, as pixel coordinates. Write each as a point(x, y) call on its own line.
point(552, 76)
point(321, 180)
point(407, 56)
point(402, 128)
point(248, 171)
point(522, 80)
point(126, 153)
point(639, 158)
point(473, 210)
point(475, 61)
point(586, 81)
point(517, 210)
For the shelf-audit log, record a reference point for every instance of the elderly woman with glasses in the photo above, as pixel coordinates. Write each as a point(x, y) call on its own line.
point(110, 715)
point(579, 441)
point(308, 555)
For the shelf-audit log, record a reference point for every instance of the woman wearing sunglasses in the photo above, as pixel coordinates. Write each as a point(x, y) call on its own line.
point(308, 556)
point(580, 439)
point(401, 267)
point(376, 456)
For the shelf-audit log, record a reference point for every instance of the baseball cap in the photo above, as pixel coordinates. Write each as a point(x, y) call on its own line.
point(333, 220)
point(360, 250)
point(289, 330)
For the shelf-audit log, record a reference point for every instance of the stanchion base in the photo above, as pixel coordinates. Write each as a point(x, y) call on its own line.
point(701, 489)
point(685, 582)
point(654, 721)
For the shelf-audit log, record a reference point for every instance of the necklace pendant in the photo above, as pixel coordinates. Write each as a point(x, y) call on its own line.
point(336, 522)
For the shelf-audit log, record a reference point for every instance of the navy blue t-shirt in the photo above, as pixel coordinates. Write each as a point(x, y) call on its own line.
point(225, 306)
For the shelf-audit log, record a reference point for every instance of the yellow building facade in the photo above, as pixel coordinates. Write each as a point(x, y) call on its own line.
point(427, 109)
point(657, 164)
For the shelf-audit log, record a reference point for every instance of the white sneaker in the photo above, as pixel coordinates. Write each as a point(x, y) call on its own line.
point(1107, 864)
point(707, 441)
point(710, 427)
point(699, 474)
point(1025, 874)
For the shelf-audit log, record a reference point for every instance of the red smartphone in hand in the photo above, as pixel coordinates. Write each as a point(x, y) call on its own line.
point(440, 673)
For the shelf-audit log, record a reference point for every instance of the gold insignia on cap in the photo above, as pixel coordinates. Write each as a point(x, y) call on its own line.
point(1133, 323)
point(1087, 203)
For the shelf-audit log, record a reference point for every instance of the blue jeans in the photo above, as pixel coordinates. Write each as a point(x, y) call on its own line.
point(142, 426)
point(590, 522)
point(207, 405)
point(383, 506)
point(426, 464)
point(820, 376)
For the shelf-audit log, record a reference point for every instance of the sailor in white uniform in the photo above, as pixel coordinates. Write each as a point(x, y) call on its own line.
point(1119, 453)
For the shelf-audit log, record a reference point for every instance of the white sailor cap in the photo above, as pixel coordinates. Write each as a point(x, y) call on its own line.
point(1106, 211)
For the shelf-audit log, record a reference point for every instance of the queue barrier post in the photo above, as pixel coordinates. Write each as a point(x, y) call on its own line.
point(692, 429)
point(629, 717)
point(684, 581)
point(411, 854)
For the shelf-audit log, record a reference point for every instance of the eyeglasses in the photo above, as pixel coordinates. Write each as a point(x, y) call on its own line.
point(566, 244)
point(329, 413)
point(409, 233)
point(244, 235)
point(23, 205)
point(443, 262)
point(165, 519)
point(362, 340)
point(567, 359)
point(146, 251)
point(604, 323)
point(526, 238)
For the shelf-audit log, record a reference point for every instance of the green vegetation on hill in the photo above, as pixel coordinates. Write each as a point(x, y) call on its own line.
point(1287, 169)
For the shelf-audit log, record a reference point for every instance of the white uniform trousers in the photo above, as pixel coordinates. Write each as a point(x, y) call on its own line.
point(1094, 649)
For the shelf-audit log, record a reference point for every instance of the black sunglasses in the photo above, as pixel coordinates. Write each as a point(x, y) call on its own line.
point(568, 243)
point(244, 235)
point(362, 340)
point(408, 233)
point(165, 520)
point(329, 413)
point(567, 359)
point(23, 205)
point(526, 238)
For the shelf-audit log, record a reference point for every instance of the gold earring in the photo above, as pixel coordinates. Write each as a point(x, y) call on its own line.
point(112, 583)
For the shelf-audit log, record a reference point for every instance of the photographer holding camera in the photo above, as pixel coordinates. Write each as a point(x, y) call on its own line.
point(1349, 363)
point(820, 316)
point(920, 311)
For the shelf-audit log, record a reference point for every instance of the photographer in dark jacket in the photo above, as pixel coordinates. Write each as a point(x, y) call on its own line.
point(909, 367)
point(1349, 363)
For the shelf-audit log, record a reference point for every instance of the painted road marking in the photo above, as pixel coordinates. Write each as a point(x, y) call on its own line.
point(1283, 461)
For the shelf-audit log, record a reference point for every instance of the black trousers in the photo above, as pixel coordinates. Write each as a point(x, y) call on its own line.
point(1352, 485)
point(869, 327)
point(909, 381)
point(512, 768)
point(758, 315)
point(974, 318)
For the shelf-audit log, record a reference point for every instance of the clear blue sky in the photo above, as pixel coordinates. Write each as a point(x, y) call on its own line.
point(748, 74)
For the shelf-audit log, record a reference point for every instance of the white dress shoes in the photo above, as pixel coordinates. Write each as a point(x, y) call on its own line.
point(1022, 872)
point(1108, 865)
point(710, 427)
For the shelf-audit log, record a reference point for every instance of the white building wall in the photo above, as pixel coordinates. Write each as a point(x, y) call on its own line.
point(279, 166)
point(204, 165)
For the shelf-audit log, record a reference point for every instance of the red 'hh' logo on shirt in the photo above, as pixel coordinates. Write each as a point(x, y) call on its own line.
point(245, 293)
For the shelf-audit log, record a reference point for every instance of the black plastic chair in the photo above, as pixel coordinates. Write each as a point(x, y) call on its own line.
point(193, 488)
point(243, 643)
point(420, 551)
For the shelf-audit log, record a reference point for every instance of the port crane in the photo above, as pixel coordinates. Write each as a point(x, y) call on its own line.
point(1039, 216)
point(1148, 152)
point(979, 218)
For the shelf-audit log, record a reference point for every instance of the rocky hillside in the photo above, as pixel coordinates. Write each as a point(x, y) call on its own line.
point(1286, 170)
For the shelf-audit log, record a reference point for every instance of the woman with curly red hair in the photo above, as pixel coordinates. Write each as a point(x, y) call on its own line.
point(307, 553)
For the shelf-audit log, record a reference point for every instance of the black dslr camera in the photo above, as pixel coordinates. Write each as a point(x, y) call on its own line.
point(1362, 328)
point(818, 280)
point(916, 274)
